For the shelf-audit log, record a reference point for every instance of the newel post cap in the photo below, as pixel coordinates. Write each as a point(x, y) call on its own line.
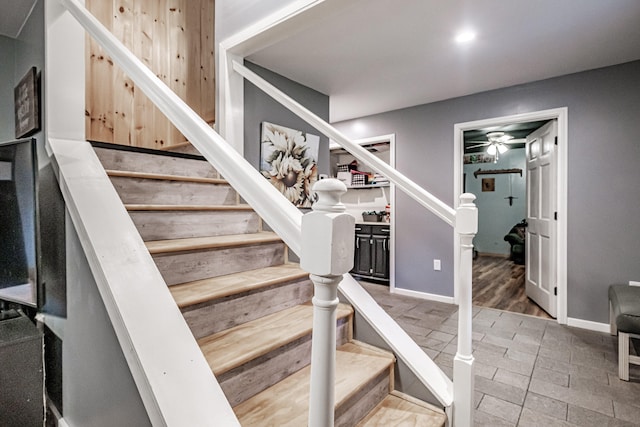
point(329, 193)
point(328, 232)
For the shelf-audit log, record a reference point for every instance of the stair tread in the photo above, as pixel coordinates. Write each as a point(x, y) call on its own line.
point(233, 347)
point(287, 402)
point(210, 242)
point(166, 177)
point(155, 207)
point(399, 409)
point(199, 291)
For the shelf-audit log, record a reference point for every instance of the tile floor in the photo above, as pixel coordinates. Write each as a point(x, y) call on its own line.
point(529, 371)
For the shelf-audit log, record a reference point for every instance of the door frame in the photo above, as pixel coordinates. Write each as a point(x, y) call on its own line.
point(561, 114)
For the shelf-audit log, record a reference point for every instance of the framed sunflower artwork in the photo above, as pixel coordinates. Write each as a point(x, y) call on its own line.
point(289, 160)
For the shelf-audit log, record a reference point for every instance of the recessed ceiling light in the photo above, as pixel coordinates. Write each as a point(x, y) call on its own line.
point(465, 36)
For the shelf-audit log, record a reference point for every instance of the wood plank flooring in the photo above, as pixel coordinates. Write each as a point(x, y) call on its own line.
point(499, 283)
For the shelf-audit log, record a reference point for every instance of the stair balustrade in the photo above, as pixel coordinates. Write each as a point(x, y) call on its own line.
point(464, 220)
point(286, 220)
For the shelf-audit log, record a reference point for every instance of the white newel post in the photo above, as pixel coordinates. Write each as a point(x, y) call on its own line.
point(327, 254)
point(466, 227)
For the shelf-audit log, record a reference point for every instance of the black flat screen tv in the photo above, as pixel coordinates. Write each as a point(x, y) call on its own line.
point(18, 222)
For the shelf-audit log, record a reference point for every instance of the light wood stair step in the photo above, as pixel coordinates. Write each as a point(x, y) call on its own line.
point(161, 208)
point(399, 409)
point(204, 290)
point(165, 222)
point(213, 304)
point(233, 347)
point(197, 258)
point(212, 242)
point(163, 177)
point(159, 189)
point(254, 356)
point(151, 161)
point(287, 402)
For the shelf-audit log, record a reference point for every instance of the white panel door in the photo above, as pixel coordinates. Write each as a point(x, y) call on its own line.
point(541, 210)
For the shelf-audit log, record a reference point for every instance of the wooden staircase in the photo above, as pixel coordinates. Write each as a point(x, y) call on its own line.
point(246, 304)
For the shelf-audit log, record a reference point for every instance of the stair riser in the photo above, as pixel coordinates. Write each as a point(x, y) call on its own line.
point(165, 192)
point(250, 379)
point(186, 149)
point(161, 225)
point(181, 267)
point(151, 163)
point(367, 398)
point(211, 317)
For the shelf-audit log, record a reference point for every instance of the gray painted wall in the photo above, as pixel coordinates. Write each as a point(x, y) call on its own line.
point(603, 178)
point(98, 389)
point(7, 65)
point(258, 107)
point(495, 215)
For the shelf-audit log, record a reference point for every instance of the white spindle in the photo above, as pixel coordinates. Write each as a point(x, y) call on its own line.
point(466, 227)
point(327, 253)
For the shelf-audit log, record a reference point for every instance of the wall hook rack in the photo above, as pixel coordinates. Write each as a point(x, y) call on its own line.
point(496, 172)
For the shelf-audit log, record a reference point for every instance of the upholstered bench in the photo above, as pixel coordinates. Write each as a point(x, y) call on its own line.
point(624, 317)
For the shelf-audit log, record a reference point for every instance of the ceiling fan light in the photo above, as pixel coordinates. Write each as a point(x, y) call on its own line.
point(491, 150)
point(502, 148)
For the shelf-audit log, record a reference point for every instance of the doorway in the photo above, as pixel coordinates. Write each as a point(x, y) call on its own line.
point(492, 162)
point(495, 169)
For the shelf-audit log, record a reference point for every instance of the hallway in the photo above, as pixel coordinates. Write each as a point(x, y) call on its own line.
point(529, 371)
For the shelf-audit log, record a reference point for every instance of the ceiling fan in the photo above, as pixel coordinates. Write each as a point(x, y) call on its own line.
point(497, 143)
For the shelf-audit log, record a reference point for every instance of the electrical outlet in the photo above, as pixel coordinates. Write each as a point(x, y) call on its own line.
point(436, 264)
point(633, 283)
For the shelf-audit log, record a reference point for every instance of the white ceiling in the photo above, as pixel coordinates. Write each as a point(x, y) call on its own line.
point(13, 16)
point(381, 55)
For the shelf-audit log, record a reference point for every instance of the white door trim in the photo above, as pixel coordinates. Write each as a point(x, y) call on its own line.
point(561, 114)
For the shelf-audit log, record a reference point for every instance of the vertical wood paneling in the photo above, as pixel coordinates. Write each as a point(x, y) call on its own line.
point(174, 38)
point(176, 23)
point(143, 49)
point(160, 65)
point(99, 108)
point(207, 76)
point(123, 105)
point(193, 60)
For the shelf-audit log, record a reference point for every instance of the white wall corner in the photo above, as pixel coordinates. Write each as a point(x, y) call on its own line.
point(64, 80)
point(230, 94)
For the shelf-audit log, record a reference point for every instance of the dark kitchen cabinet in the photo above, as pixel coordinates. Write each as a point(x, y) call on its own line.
point(371, 257)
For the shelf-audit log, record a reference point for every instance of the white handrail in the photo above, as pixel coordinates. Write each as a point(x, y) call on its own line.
point(265, 199)
point(413, 190)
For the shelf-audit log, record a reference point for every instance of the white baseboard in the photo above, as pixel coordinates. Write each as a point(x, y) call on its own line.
point(423, 295)
point(588, 324)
